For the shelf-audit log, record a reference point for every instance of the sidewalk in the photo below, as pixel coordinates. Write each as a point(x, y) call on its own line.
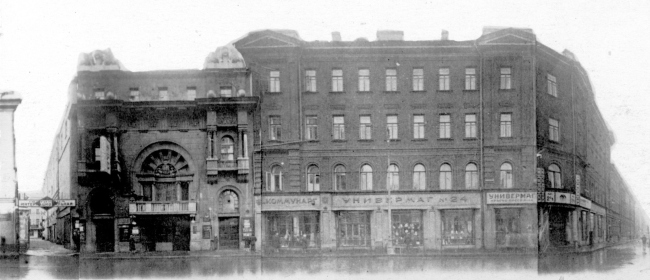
point(39, 247)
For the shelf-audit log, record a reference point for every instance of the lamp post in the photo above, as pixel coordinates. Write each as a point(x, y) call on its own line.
point(389, 247)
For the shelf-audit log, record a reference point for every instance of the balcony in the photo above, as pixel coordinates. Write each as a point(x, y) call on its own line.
point(214, 165)
point(170, 207)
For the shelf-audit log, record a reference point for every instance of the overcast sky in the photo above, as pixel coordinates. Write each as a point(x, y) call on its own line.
point(41, 42)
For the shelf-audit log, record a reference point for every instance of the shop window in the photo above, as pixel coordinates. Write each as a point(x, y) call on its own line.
point(457, 227)
point(445, 177)
point(227, 149)
point(365, 178)
point(353, 228)
point(339, 177)
point(506, 176)
point(292, 229)
point(555, 176)
point(471, 176)
point(514, 227)
point(407, 228)
point(228, 202)
point(313, 178)
point(419, 177)
point(392, 177)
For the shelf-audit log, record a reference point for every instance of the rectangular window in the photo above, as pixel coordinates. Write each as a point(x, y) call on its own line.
point(225, 91)
point(470, 78)
point(551, 84)
point(293, 229)
point(457, 227)
point(274, 128)
point(365, 127)
point(311, 129)
point(274, 81)
point(505, 125)
point(391, 79)
point(391, 126)
point(185, 191)
point(338, 127)
point(418, 79)
point(445, 126)
point(506, 78)
point(470, 126)
point(310, 81)
point(191, 93)
point(418, 126)
point(135, 94)
point(553, 130)
point(146, 192)
point(364, 80)
point(163, 94)
point(99, 93)
point(407, 228)
point(337, 80)
point(443, 79)
point(514, 227)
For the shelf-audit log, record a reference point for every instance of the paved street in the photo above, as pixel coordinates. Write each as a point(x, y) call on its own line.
point(45, 260)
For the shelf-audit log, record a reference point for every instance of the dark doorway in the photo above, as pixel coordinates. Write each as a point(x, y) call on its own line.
point(165, 229)
point(229, 233)
point(557, 226)
point(105, 235)
point(181, 241)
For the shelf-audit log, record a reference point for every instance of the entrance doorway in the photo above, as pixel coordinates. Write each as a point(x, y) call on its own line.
point(559, 227)
point(229, 233)
point(104, 235)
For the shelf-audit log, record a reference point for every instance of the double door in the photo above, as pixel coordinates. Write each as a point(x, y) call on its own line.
point(229, 233)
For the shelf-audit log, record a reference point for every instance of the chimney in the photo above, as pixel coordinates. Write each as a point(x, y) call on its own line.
point(336, 36)
point(445, 35)
point(390, 35)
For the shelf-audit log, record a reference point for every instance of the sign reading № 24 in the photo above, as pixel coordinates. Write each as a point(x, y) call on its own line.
point(47, 203)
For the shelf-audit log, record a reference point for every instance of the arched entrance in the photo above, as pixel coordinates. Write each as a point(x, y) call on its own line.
point(228, 219)
point(102, 213)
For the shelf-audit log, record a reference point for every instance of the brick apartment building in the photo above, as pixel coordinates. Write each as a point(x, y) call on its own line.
point(488, 144)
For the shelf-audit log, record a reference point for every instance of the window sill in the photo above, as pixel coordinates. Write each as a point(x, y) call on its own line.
point(366, 140)
point(393, 140)
point(364, 92)
point(274, 141)
point(312, 141)
point(419, 91)
point(337, 92)
point(506, 137)
point(310, 92)
point(506, 89)
point(391, 92)
point(420, 140)
point(470, 90)
point(445, 91)
point(446, 139)
point(339, 140)
point(272, 92)
point(470, 139)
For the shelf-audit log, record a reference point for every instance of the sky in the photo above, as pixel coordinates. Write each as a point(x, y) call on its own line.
point(41, 42)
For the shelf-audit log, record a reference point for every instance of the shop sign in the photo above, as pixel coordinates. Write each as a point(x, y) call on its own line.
point(404, 200)
point(578, 187)
point(540, 184)
point(288, 202)
point(586, 203)
point(511, 197)
point(247, 226)
point(560, 197)
point(598, 210)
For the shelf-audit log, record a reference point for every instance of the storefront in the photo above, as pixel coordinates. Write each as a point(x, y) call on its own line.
point(353, 229)
point(512, 220)
point(407, 228)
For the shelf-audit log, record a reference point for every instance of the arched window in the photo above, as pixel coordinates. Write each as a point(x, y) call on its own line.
point(227, 148)
point(471, 176)
point(339, 177)
point(445, 177)
point(392, 177)
point(274, 179)
point(313, 178)
point(506, 176)
point(228, 202)
point(419, 177)
point(365, 177)
point(555, 176)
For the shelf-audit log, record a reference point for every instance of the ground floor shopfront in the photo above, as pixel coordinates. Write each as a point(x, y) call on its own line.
point(431, 221)
point(567, 220)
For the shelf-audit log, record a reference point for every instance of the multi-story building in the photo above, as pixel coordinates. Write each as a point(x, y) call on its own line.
point(488, 144)
point(9, 216)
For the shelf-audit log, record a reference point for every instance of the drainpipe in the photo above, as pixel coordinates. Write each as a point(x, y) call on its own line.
point(481, 140)
point(300, 117)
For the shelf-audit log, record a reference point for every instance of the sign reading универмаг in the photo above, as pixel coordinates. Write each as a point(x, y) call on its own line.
point(511, 197)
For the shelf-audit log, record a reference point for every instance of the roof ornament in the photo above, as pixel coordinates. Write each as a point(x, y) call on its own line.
point(99, 60)
point(225, 57)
